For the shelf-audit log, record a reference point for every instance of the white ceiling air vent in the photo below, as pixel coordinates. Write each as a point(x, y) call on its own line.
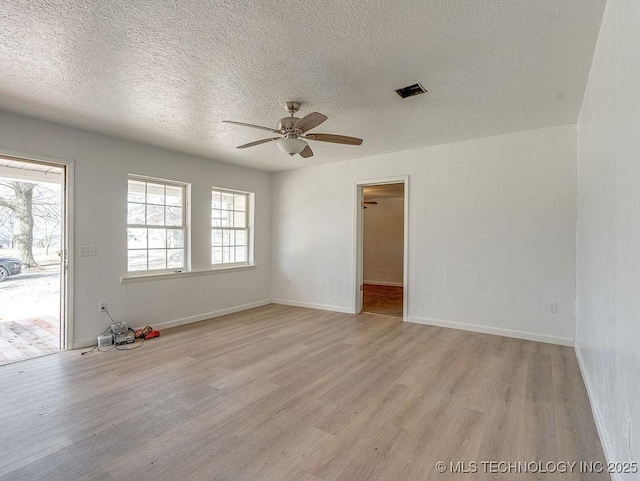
point(411, 90)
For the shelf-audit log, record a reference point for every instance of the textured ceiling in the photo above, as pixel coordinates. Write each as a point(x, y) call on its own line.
point(166, 72)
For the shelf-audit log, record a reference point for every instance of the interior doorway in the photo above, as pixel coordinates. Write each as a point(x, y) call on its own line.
point(33, 213)
point(381, 247)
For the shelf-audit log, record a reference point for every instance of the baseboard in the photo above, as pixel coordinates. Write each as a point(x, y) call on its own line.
point(602, 433)
point(210, 315)
point(383, 283)
point(311, 305)
point(82, 343)
point(496, 331)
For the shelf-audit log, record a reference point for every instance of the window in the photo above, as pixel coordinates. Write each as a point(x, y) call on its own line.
point(156, 225)
point(230, 227)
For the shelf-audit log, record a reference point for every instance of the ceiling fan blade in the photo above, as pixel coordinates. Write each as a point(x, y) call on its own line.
point(336, 139)
point(242, 124)
point(306, 152)
point(310, 121)
point(257, 142)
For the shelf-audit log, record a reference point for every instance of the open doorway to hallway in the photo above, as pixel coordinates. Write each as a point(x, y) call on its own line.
point(32, 217)
point(383, 249)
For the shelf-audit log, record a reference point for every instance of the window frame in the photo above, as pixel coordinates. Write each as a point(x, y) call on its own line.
point(249, 213)
point(185, 226)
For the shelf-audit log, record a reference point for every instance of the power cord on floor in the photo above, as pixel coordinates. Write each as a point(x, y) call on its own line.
point(115, 346)
point(136, 346)
point(103, 333)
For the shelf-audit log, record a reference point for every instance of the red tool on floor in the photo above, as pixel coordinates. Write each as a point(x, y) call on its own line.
point(153, 333)
point(146, 333)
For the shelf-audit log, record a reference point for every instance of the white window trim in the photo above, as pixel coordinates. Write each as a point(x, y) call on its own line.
point(163, 276)
point(250, 228)
point(187, 229)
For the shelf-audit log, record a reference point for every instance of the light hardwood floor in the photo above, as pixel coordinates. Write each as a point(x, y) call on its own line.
point(285, 393)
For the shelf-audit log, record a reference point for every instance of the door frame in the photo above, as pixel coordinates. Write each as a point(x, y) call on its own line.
point(67, 260)
point(359, 239)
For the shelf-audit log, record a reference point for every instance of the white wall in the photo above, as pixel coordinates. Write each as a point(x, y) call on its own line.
point(608, 239)
point(491, 233)
point(101, 167)
point(383, 244)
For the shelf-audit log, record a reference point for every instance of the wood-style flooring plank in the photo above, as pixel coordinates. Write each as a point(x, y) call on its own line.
point(292, 394)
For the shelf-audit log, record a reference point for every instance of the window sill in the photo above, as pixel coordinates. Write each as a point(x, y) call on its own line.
point(163, 276)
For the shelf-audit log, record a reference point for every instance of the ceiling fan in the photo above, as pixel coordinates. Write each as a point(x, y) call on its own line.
point(294, 132)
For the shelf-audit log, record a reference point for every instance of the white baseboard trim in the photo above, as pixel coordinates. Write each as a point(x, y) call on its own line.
point(383, 283)
point(211, 315)
point(497, 331)
point(311, 305)
point(82, 343)
point(602, 433)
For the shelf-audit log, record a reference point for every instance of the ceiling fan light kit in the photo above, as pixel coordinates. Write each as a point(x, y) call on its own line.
point(294, 132)
point(291, 146)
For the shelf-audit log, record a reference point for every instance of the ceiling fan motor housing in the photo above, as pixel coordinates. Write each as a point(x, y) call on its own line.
point(287, 123)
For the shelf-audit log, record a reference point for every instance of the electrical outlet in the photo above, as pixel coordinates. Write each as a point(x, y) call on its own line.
point(102, 306)
point(86, 251)
point(553, 307)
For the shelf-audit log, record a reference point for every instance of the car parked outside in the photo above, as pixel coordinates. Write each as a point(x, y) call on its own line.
point(9, 266)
